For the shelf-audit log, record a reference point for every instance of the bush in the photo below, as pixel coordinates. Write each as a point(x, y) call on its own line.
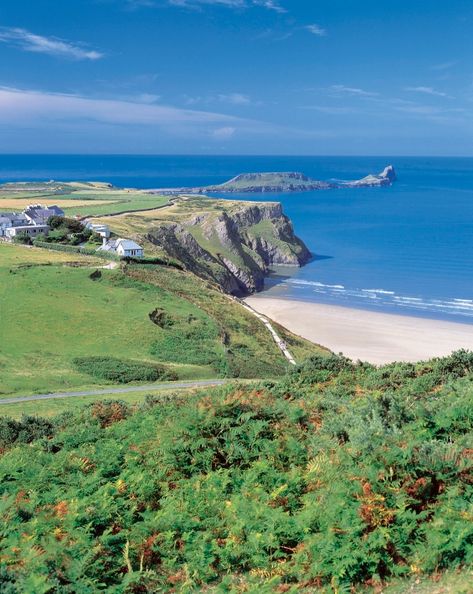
point(122, 371)
point(28, 429)
point(22, 238)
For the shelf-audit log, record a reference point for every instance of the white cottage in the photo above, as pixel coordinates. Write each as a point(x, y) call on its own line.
point(127, 247)
point(122, 247)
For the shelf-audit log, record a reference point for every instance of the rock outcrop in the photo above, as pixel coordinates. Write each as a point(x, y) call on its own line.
point(233, 246)
point(386, 178)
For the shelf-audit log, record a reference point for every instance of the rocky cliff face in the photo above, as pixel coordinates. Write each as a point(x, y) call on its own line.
point(233, 246)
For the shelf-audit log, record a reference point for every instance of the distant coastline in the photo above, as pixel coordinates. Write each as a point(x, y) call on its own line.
point(411, 239)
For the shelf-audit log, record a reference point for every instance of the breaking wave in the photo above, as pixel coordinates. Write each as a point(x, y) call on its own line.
point(383, 298)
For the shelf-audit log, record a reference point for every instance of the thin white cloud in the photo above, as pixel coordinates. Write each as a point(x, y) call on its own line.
point(229, 98)
point(241, 4)
point(443, 66)
point(341, 90)
point(270, 5)
point(30, 42)
point(427, 91)
point(224, 133)
point(316, 30)
point(235, 98)
point(25, 106)
point(330, 110)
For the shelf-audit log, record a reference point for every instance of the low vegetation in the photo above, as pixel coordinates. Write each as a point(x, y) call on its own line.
point(122, 371)
point(65, 230)
point(339, 477)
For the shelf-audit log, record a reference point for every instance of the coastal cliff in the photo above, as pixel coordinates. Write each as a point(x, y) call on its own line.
point(230, 243)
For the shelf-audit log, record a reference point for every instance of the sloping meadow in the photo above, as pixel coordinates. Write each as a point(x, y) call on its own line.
point(337, 476)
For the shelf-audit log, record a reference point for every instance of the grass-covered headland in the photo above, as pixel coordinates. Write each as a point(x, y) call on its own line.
point(338, 477)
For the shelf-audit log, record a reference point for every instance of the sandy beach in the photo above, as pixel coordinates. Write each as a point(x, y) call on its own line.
point(369, 336)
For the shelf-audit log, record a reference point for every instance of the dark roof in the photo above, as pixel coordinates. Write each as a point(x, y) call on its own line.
point(42, 213)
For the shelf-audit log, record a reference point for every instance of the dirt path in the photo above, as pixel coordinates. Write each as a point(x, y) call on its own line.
point(153, 387)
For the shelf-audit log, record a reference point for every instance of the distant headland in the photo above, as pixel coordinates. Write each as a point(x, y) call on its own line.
point(271, 182)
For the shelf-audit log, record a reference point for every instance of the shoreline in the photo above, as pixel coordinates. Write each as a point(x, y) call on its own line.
point(370, 336)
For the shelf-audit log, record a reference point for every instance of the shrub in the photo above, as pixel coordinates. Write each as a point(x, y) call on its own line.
point(122, 371)
point(28, 429)
point(22, 238)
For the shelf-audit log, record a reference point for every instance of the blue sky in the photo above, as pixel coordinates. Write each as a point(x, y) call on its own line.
point(316, 77)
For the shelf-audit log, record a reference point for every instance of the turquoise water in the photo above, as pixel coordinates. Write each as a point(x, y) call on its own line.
point(404, 249)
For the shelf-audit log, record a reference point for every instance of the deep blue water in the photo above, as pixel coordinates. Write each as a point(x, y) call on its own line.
point(404, 249)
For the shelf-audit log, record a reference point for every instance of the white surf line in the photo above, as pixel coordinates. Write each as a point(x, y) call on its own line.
point(277, 339)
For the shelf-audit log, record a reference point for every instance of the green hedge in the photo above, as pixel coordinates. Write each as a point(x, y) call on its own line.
point(122, 371)
point(75, 249)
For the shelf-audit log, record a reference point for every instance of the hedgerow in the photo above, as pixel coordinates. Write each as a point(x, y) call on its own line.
point(122, 371)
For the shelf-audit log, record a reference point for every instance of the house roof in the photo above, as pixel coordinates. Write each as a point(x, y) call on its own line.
point(13, 216)
point(128, 244)
point(39, 211)
point(110, 246)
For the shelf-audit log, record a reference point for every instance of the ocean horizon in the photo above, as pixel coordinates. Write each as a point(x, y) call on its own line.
point(404, 249)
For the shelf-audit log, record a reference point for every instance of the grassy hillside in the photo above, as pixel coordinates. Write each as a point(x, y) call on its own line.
point(336, 478)
point(56, 315)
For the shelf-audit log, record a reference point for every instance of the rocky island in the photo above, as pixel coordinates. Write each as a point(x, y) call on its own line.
point(283, 182)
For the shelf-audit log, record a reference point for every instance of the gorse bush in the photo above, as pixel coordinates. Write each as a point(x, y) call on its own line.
point(26, 430)
point(122, 371)
point(321, 481)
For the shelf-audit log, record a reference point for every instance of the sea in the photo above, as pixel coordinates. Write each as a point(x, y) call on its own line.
point(405, 249)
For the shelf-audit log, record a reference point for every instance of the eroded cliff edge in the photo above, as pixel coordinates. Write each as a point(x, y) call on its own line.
point(231, 243)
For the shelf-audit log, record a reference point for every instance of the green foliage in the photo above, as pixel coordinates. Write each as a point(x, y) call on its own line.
point(75, 249)
point(122, 371)
point(67, 231)
point(22, 238)
point(26, 430)
point(322, 481)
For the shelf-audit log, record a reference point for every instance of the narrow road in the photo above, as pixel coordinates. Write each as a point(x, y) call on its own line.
point(153, 387)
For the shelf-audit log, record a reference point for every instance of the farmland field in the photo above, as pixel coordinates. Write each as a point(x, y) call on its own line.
point(78, 199)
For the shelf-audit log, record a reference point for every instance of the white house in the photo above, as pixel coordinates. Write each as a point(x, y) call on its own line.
point(101, 230)
point(127, 247)
point(30, 230)
point(122, 247)
point(11, 219)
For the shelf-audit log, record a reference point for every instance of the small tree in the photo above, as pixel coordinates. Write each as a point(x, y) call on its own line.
point(23, 238)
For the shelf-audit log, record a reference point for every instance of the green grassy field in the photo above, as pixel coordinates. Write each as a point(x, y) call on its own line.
point(82, 199)
point(123, 202)
point(53, 313)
